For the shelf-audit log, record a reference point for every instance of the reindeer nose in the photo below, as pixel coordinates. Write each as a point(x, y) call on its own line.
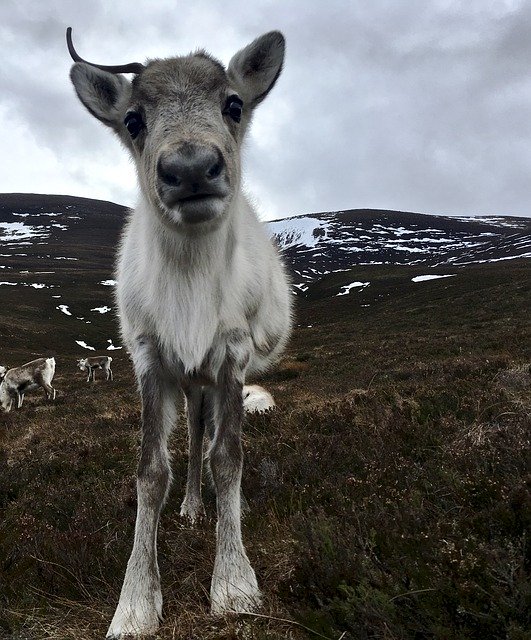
point(191, 171)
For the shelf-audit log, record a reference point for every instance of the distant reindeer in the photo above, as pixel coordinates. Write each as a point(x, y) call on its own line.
point(202, 293)
point(96, 362)
point(16, 382)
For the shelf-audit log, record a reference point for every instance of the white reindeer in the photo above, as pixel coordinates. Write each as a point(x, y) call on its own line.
point(92, 363)
point(32, 375)
point(202, 294)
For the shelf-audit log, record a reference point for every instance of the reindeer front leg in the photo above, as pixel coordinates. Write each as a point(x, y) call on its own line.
point(139, 610)
point(234, 586)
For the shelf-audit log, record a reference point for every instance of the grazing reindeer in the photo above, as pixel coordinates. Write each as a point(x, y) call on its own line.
point(96, 362)
point(16, 382)
point(202, 294)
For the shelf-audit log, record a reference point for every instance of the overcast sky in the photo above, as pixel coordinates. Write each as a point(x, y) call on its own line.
point(416, 105)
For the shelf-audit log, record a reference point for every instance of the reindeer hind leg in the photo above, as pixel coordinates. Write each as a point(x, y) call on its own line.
point(192, 506)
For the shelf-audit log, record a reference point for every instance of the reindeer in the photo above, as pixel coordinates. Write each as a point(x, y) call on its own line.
point(96, 362)
point(16, 382)
point(3, 371)
point(202, 294)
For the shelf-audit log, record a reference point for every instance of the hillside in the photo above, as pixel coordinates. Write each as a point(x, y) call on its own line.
point(388, 493)
point(57, 254)
point(55, 251)
point(322, 243)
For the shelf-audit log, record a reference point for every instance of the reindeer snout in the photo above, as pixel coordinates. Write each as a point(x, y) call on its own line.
point(191, 172)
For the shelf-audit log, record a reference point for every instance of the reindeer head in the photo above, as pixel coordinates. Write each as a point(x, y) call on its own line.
point(183, 120)
point(82, 363)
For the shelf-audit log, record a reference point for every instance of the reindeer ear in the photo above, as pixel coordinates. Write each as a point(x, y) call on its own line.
point(255, 69)
point(104, 94)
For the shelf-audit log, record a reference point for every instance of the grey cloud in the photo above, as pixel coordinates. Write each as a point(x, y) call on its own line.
point(418, 106)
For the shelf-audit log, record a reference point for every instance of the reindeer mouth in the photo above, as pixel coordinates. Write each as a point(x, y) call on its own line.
point(200, 208)
point(199, 197)
point(172, 199)
point(194, 209)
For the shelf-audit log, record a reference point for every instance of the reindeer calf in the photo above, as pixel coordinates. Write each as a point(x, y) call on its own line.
point(96, 362)
point(16, 382)
point(203, 298)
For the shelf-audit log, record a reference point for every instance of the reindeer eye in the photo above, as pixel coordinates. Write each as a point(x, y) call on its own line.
point(134, 123)
point(233, 108)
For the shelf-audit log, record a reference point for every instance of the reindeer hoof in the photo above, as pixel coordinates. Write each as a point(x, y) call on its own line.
point(192, 511)
point(139, 610)
point(133, 622)
point(235, 590)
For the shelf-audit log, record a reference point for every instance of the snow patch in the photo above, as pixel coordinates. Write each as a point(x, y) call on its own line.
point(103, 309)
point(523, 255)
point(353, 285)
point(433, 277)
point(298, 231)
point(14, 231)
point(17, 232)
point(83, 344)
point(35, 285)
point(64, 309)
point(25, 215)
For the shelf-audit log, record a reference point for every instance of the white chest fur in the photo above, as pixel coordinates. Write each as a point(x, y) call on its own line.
point(183, 291)
point(187, 316)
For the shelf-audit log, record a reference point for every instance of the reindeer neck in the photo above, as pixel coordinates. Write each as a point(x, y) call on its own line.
point(198, 251)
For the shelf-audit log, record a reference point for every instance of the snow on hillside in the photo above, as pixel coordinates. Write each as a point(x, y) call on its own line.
point(21, 233)
point(313, 245)
point(346, 289)
point(305, 233)
point(431, 277)
point(319, 244)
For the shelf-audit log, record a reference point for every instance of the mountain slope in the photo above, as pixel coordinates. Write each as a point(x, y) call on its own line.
point(57, 255)
point(321, 243)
